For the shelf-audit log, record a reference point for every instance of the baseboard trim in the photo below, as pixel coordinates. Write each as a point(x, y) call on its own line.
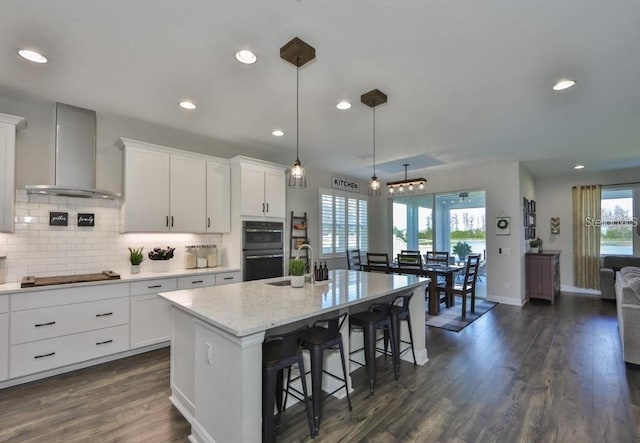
point(568, 288)
point(505, 300)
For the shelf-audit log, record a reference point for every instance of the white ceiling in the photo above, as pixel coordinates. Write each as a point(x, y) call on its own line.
point(468, 81)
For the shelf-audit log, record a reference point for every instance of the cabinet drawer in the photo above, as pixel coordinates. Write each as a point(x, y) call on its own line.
point(29, 358)
point(4, 303)
point(66, 296)
point(225, 278)
point(153, 286)
point(45, 323)
point(196, 281)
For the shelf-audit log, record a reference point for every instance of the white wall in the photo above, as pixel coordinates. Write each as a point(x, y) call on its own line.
point(501, 182)
point(553, 199)
point(301, 200)
point(35, 145)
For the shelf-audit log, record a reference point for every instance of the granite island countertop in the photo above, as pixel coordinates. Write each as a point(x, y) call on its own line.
point(246, 308)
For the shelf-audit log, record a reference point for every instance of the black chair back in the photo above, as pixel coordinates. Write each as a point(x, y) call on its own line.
point(377, 262)
point(437, 257)
point(353, 259)
point(410, 263)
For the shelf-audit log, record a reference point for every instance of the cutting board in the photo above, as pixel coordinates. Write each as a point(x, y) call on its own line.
point(31, 281)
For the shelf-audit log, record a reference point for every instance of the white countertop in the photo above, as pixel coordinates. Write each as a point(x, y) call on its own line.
point(246, 308)
point(125, 277)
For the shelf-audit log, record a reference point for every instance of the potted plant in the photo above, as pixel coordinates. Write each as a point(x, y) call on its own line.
point(135, 258)
point(462, 249)
point(297, 267)
point(160, 258)
point(536, 244)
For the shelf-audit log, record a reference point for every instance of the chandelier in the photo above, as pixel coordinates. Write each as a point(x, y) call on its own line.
point(406, 185)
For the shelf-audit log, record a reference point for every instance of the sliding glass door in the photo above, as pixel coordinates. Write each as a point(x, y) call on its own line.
point(460, 218)
point(412, 224)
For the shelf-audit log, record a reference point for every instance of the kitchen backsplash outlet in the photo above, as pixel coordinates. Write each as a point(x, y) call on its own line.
point(35, 248)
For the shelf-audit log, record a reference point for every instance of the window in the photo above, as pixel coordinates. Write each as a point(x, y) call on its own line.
point(619, 219)
point(344, 223)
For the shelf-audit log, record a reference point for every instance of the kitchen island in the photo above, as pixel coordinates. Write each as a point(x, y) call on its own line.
point(216, 348)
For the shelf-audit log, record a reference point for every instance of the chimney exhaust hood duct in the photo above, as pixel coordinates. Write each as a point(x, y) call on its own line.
point(75, 156)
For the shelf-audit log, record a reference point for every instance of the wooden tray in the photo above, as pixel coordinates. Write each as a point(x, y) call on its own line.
point(31, 281)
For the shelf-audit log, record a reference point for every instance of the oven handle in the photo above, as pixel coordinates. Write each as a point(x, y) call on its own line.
point(255, 257)
point(262, 230)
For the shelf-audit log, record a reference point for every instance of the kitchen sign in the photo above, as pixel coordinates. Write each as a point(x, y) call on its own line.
point(345, 184)
point(58, 218)
point(86, 220)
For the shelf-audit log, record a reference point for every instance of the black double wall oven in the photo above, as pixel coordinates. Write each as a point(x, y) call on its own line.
point(262, 250)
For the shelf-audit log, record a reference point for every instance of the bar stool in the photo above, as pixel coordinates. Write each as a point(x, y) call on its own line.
point(378, 317)
point(319, 339)
point(401, 312)
point(280, 352)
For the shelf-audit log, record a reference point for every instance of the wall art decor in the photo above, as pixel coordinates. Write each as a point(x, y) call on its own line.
point(503, 225)
point(86, 219)
point(58, 218)
point(555, 225)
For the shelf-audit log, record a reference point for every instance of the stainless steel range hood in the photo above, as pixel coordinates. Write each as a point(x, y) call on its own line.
point(75, 156)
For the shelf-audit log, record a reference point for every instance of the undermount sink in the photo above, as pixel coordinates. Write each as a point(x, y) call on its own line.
point(280, 283)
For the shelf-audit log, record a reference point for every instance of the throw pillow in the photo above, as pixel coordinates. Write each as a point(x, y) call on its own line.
point(630, 271)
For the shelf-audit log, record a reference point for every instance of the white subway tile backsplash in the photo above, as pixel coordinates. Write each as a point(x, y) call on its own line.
point(35, 248)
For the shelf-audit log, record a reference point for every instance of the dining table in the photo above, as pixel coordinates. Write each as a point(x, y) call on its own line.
point(433, 271)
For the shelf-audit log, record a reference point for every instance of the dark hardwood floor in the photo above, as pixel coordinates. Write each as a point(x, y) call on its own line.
point(540, 373)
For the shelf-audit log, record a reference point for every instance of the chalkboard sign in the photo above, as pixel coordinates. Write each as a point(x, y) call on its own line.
point(58, 218)
point(86, 220)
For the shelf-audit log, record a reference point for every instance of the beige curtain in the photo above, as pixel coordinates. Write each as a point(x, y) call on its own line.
point(586, 236)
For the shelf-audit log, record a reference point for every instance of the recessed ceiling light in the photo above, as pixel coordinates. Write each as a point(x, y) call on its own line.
point(277, 133)
point(245, 56)
point(32, 56)
point(578, 167)
point(186, 104)
point(563, 84)
point(343, 105)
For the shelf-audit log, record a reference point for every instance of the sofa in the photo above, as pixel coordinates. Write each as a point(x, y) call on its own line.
point(610, 265)
point(627, 289)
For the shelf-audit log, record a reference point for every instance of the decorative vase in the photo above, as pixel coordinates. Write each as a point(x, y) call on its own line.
point(135, 269)
point(297, 281)
point(160, 265)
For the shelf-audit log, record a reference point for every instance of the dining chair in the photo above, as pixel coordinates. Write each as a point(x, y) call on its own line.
point(353, 260)
point(377, 262)
point(410, 263)
point(468, 285)
point(437, 257)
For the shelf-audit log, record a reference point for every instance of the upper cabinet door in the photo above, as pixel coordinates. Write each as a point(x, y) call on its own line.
point(275, 193)
point(218, 197)
point(188, 194)
point(8, 124)
point(146, 191)
point(252, 190)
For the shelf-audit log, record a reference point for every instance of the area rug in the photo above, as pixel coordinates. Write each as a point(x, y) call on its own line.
point(450, 318)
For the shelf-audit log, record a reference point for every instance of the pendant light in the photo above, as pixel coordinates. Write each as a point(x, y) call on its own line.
point(297, 53)
point(408, 183)
point(374, 98)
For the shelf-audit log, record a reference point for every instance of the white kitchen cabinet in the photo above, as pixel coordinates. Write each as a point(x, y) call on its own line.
point(146, 191)
point(226, 278)
point(165, 190)
point(262, 191)
point(218, 197)
point(4, 346)
point(188, 192)
point(150, 314)
point(8, 126)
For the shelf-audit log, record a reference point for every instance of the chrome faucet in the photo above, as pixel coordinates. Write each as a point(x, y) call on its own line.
point(310, 259)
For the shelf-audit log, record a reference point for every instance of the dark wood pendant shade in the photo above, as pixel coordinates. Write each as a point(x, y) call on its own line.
point(373, 98)
point(297, 52)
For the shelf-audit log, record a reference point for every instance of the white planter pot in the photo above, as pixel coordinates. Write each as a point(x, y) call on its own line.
point(297, 281)
point(135, 269)
point(160, 265)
